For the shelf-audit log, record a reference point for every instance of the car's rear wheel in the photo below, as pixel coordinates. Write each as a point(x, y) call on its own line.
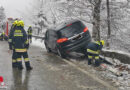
point(61, 53)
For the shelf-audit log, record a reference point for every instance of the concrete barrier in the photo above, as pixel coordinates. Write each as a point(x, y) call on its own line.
point(38, 37)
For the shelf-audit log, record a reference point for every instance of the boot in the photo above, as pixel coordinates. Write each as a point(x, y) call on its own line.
point(20, 66)
point(97, 63)
point(89, 62)
point(28, 67)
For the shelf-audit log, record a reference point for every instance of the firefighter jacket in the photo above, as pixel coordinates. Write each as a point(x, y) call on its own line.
point(30, 31)
point(94, 48)
point(11, 36)
point(19, 39)
point(2, 35)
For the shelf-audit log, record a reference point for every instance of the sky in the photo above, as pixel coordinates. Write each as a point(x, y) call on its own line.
point(15, 8)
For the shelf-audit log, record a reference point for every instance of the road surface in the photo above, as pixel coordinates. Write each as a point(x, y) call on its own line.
point(50, 72)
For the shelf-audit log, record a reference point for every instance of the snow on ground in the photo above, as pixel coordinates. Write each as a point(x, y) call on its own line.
point(38, 43)
point(122, 82)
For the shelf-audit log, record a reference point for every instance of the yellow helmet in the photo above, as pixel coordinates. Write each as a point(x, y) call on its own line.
point(15, 22)
point(20, 23)
point(102, 41)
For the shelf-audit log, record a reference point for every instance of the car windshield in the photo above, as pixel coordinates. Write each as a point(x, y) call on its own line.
point(71, 30)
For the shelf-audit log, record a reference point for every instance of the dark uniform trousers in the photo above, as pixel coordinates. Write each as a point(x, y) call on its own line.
point(30, 38)
point(92, 57)
point(14, 59)
point(26, 59)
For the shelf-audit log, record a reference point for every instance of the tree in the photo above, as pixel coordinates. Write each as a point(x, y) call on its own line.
point(96, 19)
point(108, 24)
point(2, 18)
point(85, 10)
point(39, 17)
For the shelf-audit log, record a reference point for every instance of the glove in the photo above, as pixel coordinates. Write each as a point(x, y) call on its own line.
point(26, 46)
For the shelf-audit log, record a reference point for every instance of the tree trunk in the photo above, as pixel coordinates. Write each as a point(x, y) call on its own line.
point(96, 21)
point(108, 23)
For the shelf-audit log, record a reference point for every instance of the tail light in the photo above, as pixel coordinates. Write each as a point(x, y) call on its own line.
point(61, 40)
point(69, 25)
point(85, 29)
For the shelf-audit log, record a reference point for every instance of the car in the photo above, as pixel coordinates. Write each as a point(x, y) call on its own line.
point(70, 36)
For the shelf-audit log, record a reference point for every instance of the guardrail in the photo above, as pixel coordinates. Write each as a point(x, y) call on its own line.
point(122, 56)
point(38, 37)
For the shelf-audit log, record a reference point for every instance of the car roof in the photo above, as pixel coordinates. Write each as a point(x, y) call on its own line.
point(63, 24)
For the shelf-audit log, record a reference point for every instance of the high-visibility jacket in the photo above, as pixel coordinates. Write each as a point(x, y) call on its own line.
point(19, 39)
point(11, 36)
point(29, 31)
point(94, 48)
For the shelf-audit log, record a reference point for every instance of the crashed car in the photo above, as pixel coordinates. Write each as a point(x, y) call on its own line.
point(72, 36)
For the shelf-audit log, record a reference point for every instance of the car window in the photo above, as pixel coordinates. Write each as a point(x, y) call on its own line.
point(71, 30)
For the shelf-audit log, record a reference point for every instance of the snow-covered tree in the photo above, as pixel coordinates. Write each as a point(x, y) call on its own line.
point(92, 12)
point(39, 16)
point(2, 19)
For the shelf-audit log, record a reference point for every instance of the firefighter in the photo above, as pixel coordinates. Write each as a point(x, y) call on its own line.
point(2, 36)
point(93, 50)
point(30, 34)
point(20, 43)
point(11, 47)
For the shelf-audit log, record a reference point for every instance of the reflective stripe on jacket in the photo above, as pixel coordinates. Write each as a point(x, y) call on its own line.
point(20, 50)
point(94, 48)
point(19, 39)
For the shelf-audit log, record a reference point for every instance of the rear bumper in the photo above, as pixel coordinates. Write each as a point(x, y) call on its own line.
point(79, 46)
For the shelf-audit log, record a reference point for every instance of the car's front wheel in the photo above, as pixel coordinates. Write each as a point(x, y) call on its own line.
point(47, 48)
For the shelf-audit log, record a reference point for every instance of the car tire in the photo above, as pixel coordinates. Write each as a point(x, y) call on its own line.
point(61, 53)
point(47, 48)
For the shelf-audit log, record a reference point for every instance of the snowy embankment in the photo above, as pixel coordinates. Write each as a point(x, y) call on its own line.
point(122, 82)
point(114, 54)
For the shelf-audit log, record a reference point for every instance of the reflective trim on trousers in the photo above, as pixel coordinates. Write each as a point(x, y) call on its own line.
point(26, 59)
point(90, 57)
point(19, 59)
point(14, 60)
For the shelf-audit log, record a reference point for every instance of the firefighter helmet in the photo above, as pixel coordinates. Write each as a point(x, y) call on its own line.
point(20, 23)
point(15, 22)
point(102, 41)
